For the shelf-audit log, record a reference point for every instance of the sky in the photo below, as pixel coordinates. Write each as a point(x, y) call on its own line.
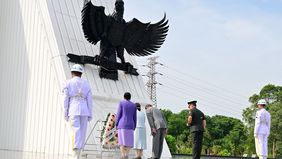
point(218, 52)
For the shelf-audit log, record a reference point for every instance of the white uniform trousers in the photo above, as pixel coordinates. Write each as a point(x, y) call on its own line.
point(79, 128)
point(261, 146)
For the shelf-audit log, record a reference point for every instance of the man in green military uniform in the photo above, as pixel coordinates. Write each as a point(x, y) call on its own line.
point(197, 123)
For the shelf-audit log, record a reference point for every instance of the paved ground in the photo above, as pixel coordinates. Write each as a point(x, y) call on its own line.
point(106, 155)
point(26, 155)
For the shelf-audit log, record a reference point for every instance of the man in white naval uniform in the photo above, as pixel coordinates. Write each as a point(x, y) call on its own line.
point(77, 107)
point(262, 129)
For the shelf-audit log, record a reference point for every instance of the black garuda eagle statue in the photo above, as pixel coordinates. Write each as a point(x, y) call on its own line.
point(115, 35)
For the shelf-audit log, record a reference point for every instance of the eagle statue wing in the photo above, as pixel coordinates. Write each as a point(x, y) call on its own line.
point(94, 22)
point(142, 39)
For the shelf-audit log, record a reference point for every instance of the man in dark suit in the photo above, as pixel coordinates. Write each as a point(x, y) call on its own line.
point(197, 123)
point(158, 126)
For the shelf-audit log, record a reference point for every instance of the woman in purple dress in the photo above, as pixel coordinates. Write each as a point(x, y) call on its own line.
point(126, 124)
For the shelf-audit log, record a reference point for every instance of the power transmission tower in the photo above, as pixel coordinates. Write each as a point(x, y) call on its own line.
point(151, 84)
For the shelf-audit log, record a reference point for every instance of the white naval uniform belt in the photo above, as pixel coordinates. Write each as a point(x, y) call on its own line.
point(78, 98)
point(264, 122)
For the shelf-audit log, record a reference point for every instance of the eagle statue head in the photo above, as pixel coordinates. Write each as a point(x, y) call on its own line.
point(119, 9)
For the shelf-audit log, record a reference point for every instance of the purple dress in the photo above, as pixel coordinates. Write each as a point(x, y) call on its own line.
point(126, 123)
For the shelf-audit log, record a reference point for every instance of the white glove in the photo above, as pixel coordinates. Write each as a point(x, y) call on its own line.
point(66, 118)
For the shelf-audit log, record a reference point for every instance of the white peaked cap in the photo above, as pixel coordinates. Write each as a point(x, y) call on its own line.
point(77, 68)
point(262, 102)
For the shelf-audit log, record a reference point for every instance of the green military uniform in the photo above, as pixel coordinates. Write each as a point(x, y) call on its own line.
point(197, 130)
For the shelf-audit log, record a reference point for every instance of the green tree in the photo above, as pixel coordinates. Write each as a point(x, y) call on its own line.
point(227, 134)
point(275, 138)
point(208, 140)
point(223, 136)
point(177, 128)
point(273, 94)
point(237, 138)
point(171, 141)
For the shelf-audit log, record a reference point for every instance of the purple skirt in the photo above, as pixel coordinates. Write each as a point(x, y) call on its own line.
point(125, 137)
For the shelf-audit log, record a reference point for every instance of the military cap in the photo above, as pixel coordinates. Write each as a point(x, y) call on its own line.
point(192, 102)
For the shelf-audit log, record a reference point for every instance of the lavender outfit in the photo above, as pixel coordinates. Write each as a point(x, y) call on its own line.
point(126, 123)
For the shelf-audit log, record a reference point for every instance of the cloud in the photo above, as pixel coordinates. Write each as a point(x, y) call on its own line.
point(243, 29)
point(227, 42)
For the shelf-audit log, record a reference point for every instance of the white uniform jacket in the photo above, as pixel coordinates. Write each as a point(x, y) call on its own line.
point(262, 122)
point(77, 98)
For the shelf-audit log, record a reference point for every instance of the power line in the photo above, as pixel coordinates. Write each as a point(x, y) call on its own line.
point(206, 82)
point(204, 90)
point(204, 103)
point(151, 86)
point(179, 90)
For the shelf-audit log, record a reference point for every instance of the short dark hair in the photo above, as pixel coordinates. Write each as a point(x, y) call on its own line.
point(76, 73)
point(138, 106)
point(127, 96)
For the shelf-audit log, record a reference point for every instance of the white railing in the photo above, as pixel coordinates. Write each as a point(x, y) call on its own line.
point(95, 146)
